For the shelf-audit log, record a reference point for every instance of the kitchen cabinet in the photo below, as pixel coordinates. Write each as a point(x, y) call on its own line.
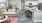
point(37, 15)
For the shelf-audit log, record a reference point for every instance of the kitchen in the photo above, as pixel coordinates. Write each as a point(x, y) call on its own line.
point(21, 10)
point(35, 9)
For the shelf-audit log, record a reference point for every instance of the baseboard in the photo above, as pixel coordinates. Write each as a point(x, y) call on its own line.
point(36, 20)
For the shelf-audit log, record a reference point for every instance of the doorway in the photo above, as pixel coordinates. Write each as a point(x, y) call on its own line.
point(22, 15)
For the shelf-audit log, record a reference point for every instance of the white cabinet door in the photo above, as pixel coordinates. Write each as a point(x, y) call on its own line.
point(38, 15)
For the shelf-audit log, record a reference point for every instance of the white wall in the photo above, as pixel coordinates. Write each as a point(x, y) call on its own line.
point(18, 3)
point(2, 0)
point(40, 1)
point(33, 2)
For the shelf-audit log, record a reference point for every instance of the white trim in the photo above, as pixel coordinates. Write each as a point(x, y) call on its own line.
point(36, 20)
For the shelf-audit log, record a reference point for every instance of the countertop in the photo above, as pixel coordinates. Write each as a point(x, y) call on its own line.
point(34, 9)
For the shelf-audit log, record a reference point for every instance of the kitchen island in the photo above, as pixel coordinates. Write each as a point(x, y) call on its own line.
point(36, 15)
